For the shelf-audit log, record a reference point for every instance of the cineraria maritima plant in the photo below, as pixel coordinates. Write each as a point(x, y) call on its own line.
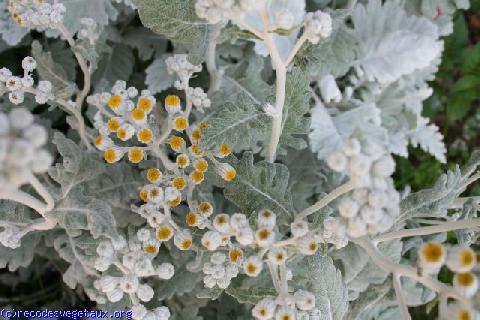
point(234, 150)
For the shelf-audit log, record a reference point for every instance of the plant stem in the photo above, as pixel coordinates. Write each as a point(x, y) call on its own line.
point(43, 192)
point(25, 199)
point(295, 49)
point(344, 188)
point(215, 74)
point(402, 304)
point(390, 267)
point(423, 231)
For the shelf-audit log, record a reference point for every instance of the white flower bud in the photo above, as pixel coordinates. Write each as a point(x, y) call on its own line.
point(20, 118)
point(304, 300)
point(165, 271)
point(384, 167)
point(299, 228)
point(356, 227)
point(144, 292)
point(266, 219)
point(348, 207)
point(277, 256)
point(466, 284)
point(115, 295)
point(211, 240)
point(337, 161)
point(264, 309)
point(461, 259)
point(252, 266)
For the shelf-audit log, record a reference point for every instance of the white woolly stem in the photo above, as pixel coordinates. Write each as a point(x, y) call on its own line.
point(274, 276)
point(460, 202)
point(402, 304)
point(423, 231)
point(390, 267)
point(43, 192)
point(295, 49)
point(25, 199)
point(344, 188)
point(215, 74)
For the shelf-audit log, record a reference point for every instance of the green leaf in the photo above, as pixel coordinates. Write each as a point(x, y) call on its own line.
point(242, 125)
point(50, 70)
point(146, 42)
point(471, 60)
point(177, 21)
point(297, 105)
point(251, 295)
point(326, 283)
point(182, 282)
point(258, 186)
point(116, 64)
point(157, 77)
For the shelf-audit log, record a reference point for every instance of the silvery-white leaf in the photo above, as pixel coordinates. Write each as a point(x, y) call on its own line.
point(12, 33)
point(329, 89)
point(428, 137)
point(157, 77)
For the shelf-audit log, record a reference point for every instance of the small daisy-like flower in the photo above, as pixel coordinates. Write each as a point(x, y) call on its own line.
point(465, 283)
point(154, 175)
point(112, 155)
point(264, 237)
point(103, 142)
point(197, 177)
point(205, 208)
point(151, 247)
point(179, 183)
point(135, 155)
point(138, 115)
point(235, 255)
point(143, 194)
point(299, 228)
point(223, 151)
point(226, 171)
point(221, 223)
point(180, 123)
point(307, 245)
point(196, 151)
point(277, 256)
point(456, 311)
point(145, 135)
point(304, 300)
point(431, 257)
point(183, 161)
point(266, 219)
point(113, 124)
point(191, 219)
point(125, 132)
point(164, 232)
point(253, 266)
point(114, 102)
point(285, 313)
point(196, 135)
point(176, 143)
point(211, 240)
point(201, 165)
point(202, 125)
point(461, 259)
point(155, 194)
point(183, 240)
point(172, 104)
point(264, 309)
point(145, 103)
point(175, 202)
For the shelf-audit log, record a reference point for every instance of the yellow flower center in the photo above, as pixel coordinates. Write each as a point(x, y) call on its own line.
point(197, 177)
point(202, 125)
point(464, 314)
point(230, 175)
point(110, 155)
point(175, 202)
point(186, 244)
point(467, 257)
point(164, 233)
point(204, 207)
point(432, 252)
point(197, 151)
point(180, 123)
point(279, 256)
point(251, 268)
point(153, 175)
point(99, 140)
point(313, 246)
point(143, 195)
point(234, 255)
point(201, 165)
point(138, 114)
point(122, 134)
point(221, 219)
point(114, 102)
point(263, 234)
point(172, 101)
point(196, 135)
point(155, 192)
point(465, 279)
point(266, 213)
point(176, 143)
point(182, 161)
point(150, 248)
point(191, 219)
point(145, 135)
point(179, 183)
point(135, 155)
point(113, 124)
point(145, 104)
point(224, 150)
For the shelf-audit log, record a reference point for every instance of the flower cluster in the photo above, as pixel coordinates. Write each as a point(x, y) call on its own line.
point(17, 86)
point(88, 30)
point(296, 306)
point(317, 25)
point(464, 262)
point(180, 66)
point(35, 14)
point(22, 150)
point(220, 271)
point(374, 204)
point(133, 263)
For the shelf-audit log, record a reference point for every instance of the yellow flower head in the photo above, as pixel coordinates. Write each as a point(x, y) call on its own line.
point(112, 155)
point(201, 165)
point(113, 124)
point(114, 102)
point(145, 104)
point(179, 183)
point(175, 202)
point(186, 244)
point(205, 208)
point(125, 133)
point(182, 161)
point(172, 104)
point(191, 219)
point(180, 123)
point(164, 232)
point(196, 135)
point(431, 257)
point(145, 135)
point(138, 115)
point(143, 194)
point(235, 255)
point(176, 143)
point(154, 175)
point(202, 125)
point(224, 150)
point(196, 151)
point(197, 177)
point(151, 248)
point(135, 155)
point(226, 171)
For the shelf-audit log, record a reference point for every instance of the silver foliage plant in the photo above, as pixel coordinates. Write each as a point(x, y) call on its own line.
point(250, 161)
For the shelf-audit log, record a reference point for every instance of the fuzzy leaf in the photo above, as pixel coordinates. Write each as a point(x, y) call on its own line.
point(178, 22)
point(101, 11)
point(116, 64)
point(326, 283)
point(242, 125)
point(157, 77)
point(251, 295)
point(182, 282)
point(258, 186)
point(430, 140)
point(146, 42)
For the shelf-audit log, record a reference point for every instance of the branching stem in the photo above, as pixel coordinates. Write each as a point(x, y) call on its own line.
point(215, 73)
point(402, 304)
